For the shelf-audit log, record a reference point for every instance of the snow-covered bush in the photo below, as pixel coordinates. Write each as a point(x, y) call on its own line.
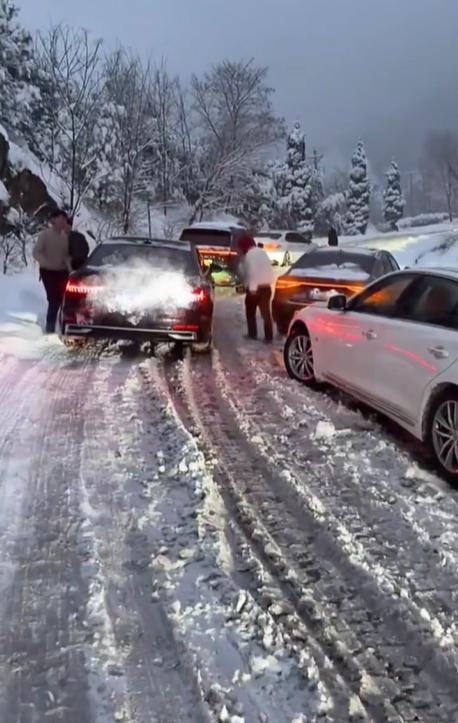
point(331, 212)
point(358, 194)
point(423, 219)
point(393, 201)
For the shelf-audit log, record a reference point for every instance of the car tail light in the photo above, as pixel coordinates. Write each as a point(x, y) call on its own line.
point(200, 296)
point(289, 284)
point(185, 327)
point(79, 288)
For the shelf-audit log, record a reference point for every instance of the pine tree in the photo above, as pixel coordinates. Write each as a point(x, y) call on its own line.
point(393, 202)
point(300, 186)
point(358, 194)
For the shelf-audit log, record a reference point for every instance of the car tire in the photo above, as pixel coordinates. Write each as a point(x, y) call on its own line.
point(442, 431)
point(204, 348)
point(298, 356)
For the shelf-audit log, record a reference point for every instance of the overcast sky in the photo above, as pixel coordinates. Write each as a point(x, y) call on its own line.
point(386, 70)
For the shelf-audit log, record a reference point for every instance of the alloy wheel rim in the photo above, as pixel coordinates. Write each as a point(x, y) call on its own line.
point(445, 435)
point(301, 357)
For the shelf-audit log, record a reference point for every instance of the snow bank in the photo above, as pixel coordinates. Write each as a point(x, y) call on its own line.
point(22, 310)
point(431, 250)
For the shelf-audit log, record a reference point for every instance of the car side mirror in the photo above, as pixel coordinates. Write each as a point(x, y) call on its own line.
point(337, 302)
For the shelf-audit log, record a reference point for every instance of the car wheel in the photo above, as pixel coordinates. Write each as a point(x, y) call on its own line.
point(443, 433)
point(204, 348)
point(298, 356)
point(287, 259)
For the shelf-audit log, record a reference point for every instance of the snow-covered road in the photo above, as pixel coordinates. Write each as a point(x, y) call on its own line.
point(206, 541)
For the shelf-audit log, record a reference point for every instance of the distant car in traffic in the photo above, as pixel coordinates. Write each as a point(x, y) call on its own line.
point(322, 272)
point(284, 248)
point(141, 290)
point(394, 346)
point(216, 244)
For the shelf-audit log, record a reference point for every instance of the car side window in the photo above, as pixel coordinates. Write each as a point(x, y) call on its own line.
point(391, 264)
point(383, 298)
point(434, 302)
point(378, 268)
point(295, 238)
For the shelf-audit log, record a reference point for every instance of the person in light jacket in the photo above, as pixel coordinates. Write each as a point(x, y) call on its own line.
point(52, 253)
point(259, 279)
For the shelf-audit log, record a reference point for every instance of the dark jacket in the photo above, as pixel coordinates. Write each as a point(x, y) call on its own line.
point(79, 249)
point(333, 239)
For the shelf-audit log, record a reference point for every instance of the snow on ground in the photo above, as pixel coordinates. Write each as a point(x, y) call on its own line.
point(22, 315)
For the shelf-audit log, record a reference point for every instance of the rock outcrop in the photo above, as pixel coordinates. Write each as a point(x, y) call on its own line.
point(27, 191)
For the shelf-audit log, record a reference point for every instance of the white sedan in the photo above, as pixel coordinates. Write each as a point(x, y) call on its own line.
point(284, 248)
point(393, 346)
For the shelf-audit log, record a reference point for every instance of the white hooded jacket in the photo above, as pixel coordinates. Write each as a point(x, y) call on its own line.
point(257, 269)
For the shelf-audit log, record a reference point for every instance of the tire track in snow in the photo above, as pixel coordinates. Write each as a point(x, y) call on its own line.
point(263, 564)
point(147, 674)
point(387, 519)
point(255, 638)
point(392, 632)
point(43, 643)
point(387, 541)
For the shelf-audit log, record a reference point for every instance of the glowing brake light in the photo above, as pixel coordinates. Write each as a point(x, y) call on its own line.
point(81, 289)
point(185, 327)
point(199, 295)
point(287, 284)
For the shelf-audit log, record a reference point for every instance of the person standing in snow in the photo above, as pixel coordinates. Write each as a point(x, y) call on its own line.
point(51, 251)
point(333, 239)
point(259, 278)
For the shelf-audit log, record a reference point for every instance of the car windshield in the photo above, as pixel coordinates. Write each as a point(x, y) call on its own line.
point(162, 258)
point(334, 263)
point(207, 237)
point(273, 236)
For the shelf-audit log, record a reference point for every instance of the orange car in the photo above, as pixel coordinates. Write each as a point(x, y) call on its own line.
point(323, 272)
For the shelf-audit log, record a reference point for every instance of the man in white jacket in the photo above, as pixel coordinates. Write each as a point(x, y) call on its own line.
point(259, 278)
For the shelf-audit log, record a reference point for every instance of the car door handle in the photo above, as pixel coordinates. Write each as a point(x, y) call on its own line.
point(438, 351)
point(370, 334)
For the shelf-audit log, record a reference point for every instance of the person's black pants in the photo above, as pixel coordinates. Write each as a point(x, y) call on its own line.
point(54, 283)
point(260, 299)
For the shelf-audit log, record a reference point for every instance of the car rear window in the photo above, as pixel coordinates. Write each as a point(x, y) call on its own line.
point(332, 263)
point(273, 236)
point(207, 237)
point(163, 258)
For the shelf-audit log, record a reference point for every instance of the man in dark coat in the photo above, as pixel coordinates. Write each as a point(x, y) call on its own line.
point(333, 239)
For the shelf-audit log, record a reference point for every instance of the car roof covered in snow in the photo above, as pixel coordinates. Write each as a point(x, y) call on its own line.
point(216, 226)
point(145, 241)
point(351, 250)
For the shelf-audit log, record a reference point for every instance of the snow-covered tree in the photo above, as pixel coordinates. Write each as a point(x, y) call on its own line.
point(296, 147)
point(18, 94)
point(331, 212)
point(393, 201)
point(236, 122)
point(71, 62)
point(129, 87)
point(300, 184)
point(358, 194)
